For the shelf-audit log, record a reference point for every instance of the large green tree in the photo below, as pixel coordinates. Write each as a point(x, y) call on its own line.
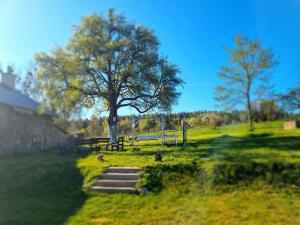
point(246, 75)
point(108, 63)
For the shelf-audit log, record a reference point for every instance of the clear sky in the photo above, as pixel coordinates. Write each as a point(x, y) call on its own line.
point(193, 34)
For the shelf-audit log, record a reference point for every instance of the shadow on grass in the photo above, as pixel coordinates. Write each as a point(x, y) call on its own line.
point(285, 143)
point(235, 149)
point(40, 188)
point(150, 150)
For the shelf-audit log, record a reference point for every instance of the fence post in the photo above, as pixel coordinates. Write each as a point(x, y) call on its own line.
point(162, 123)
point(134, 123)
point(185, 126)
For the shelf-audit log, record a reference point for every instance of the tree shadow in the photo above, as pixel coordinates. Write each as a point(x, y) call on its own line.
point(283, 143)
point(235, 149)
point(150, 149)
point(41, 188)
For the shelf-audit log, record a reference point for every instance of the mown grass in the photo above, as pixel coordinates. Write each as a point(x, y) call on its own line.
point(50, 188)
point(39, 189)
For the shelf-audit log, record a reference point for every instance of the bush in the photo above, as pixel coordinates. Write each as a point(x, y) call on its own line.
point(157, 177)
point(277, 173)
point(274, 173)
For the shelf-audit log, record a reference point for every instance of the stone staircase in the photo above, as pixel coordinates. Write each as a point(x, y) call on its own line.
point(118, 180)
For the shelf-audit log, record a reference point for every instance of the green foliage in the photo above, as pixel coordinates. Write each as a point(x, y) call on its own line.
point(157, 177)
point(151, 124)
point(208, 120)
point(267, 110)
point(29, 84)
point(291, 99)
point(246, 75)
point(109, 61)
point(124, 126)
point(95, 127)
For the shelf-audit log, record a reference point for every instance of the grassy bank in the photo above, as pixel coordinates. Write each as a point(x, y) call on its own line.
point(224, 176)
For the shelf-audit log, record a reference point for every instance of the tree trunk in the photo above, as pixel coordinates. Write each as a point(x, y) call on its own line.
point(184, 132)
point(249, 111)
point(113, 125)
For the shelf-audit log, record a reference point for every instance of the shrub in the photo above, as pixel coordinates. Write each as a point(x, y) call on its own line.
point(157, 177)
point(275, 173)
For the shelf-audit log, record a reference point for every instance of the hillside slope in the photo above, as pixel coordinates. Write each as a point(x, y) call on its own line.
point(224, 176)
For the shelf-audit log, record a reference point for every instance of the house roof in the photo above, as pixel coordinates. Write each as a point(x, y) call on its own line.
point(15, 98)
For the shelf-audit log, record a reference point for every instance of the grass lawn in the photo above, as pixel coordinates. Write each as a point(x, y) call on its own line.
point(202, 183)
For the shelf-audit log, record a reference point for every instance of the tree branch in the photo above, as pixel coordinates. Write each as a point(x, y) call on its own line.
point(137, 108)
point(136, 98)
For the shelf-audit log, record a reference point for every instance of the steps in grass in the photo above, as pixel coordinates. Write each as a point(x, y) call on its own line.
point(115, 190)
point(119, 176)
point(116, 183)
point(123, 169)
point(118, 180)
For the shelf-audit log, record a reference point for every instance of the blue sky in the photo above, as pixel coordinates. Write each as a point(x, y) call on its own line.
point(193, 34)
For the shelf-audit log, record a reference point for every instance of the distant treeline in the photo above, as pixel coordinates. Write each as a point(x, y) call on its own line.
point(265, 110)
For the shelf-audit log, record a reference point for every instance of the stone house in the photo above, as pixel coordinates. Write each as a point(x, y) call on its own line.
point(22, 128)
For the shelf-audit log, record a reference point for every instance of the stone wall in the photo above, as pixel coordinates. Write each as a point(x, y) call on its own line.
point(25, 131)
point(290, 125)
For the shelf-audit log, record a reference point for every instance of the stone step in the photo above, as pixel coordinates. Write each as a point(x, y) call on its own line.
point(116, 183)
point(119, 176)
point(115, 190)
point(123, 169)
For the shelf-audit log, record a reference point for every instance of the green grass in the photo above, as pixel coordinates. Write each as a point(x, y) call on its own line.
point(50, 188)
